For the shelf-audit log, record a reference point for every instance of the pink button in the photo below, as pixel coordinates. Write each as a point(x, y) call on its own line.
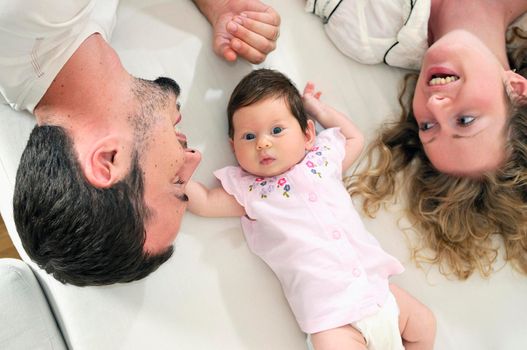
point(356, 272)
point(313, 197)
point(336, 234)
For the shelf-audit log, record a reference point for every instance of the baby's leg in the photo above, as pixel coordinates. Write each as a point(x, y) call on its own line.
point(341, 338)
point(416, 322)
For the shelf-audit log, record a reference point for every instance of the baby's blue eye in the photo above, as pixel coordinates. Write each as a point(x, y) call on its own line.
point(249, 136)
point(276, 130)
point(465, 120)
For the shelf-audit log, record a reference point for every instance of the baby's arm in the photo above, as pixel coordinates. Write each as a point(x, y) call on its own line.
point(214, 202)
point(329, 117)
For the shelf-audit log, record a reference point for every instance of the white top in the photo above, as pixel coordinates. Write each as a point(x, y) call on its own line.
point(38, 37)
point(394, 32)
point(303, 225)
point(391, 31)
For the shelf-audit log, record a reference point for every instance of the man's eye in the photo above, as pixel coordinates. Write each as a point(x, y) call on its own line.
point(276, 130)
point(249, 136)
point(426, 126)
point(178, 181)
point(465, 120)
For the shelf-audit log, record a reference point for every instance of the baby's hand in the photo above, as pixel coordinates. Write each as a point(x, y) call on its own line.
point(311, 101)
point(329, 117)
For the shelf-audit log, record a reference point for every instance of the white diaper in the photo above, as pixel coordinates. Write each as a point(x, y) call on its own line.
point(381, 330)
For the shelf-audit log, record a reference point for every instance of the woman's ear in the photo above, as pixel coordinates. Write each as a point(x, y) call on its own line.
point(106, 163)
point(516, 87)
point(310, 135)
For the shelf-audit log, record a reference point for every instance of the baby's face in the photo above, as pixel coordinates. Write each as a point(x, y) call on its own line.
point(268, 139)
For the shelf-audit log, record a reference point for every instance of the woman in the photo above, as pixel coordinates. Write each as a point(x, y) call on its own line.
point(461, 145)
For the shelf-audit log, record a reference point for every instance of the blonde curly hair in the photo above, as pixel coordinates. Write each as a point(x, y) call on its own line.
point(458, 218)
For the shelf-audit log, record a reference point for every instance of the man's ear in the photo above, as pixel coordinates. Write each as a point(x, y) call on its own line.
point(516, 87)
point(310, 135)
point(106, 162)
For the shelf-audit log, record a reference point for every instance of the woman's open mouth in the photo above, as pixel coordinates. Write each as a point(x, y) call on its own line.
point(442, 79)
point(441, 76)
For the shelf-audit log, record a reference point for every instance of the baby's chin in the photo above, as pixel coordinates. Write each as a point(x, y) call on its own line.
point(270, 172)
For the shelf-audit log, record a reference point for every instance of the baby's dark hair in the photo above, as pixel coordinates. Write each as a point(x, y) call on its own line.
point(265, 83)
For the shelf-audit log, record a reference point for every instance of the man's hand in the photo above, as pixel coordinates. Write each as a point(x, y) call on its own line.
point(242, 28)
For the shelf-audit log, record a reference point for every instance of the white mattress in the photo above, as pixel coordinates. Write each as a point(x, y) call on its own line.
point(213, 293)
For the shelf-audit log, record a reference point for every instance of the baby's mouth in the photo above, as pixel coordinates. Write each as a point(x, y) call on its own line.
point(266, 160)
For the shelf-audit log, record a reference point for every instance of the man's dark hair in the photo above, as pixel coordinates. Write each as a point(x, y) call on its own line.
point(81, 234)
point(261, 84)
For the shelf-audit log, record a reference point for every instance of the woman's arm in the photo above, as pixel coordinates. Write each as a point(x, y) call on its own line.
point(329, 117)
point(214, 202)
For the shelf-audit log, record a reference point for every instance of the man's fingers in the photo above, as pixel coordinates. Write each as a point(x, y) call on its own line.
point(257, 6)
point(229, 54)
point(255, 40)
point(270, 16)
point(248, 52)
point(264, 29)
point(222, 47)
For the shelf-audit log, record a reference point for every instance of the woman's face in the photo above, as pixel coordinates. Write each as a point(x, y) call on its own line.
point(460, 106)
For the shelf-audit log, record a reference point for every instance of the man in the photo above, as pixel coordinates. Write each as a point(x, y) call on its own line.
point(99, 193)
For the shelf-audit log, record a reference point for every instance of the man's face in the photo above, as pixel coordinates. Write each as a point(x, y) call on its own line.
point(165, 161)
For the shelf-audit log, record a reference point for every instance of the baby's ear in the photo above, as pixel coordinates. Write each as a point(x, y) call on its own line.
point(516, 87)
point(231, 142)
point(310, 135)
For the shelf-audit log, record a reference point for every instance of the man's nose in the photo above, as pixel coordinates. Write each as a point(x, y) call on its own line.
point(263, 143)
point(192, 159)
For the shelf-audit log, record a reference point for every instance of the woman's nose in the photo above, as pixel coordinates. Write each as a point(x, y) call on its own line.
point(436, 100)
point(438, 105)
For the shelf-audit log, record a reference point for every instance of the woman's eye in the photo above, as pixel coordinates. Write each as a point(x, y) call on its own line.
point(249, 136)
point(465, 120)
point(276, 130)
point(426, 126)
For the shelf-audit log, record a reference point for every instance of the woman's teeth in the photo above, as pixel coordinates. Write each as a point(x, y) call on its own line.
point(443, 80)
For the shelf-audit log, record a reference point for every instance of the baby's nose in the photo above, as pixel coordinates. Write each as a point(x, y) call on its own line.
point(263, 143)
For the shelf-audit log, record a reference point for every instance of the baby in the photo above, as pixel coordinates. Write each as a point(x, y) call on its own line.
point(298, 217)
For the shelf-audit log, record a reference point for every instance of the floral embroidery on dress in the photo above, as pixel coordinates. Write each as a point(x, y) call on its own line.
point(316, 159)
point(265, 186)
